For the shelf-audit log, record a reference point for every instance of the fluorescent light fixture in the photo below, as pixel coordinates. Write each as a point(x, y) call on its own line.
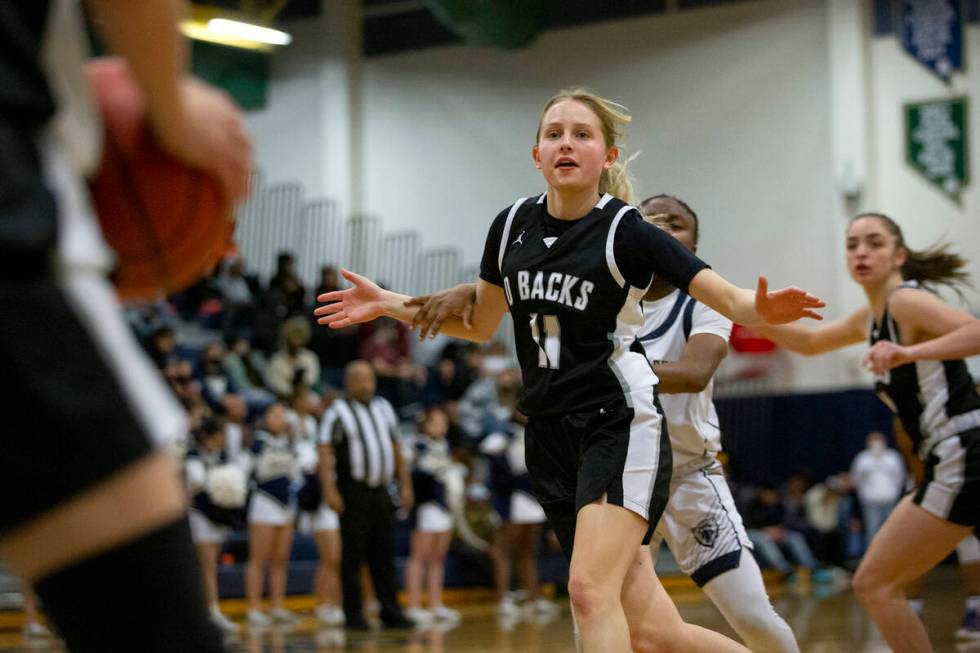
point(248, 31)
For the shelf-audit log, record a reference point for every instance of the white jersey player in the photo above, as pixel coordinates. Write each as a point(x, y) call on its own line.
point(685, 341)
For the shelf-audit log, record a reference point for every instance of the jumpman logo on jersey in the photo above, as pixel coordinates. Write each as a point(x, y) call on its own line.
point(519, 240)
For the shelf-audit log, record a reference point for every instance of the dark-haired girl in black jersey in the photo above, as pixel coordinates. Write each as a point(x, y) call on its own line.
point(918, 346)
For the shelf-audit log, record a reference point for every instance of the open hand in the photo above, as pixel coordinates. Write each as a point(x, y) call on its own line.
point(786, 305)
point(438, 306)
point(361, 303)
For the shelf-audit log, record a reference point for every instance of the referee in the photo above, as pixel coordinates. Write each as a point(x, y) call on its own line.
point(359, 432)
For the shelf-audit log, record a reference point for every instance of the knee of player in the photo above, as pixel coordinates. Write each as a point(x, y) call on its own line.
point(657, 638)
point(870, 588)
point(588, 596)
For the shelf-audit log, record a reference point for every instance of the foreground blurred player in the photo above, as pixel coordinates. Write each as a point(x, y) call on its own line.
point(918, 346)
point(571, 266)
point(104, 523)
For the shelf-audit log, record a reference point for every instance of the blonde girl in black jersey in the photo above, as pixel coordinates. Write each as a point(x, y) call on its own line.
point(571, 266)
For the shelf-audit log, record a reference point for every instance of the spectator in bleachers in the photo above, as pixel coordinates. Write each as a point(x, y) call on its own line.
point(215, 384)
point(285, 288)
point(238, 293)
point(772, 540)
point(384, 344)
point(878, 475)
point(244, 368)
point(823, 503)
point(293, 364)
point(271, 513)
point(162, 347)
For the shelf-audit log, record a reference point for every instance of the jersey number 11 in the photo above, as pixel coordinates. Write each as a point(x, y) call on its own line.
point(549, 346)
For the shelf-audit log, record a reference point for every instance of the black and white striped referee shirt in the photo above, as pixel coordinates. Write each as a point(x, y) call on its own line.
point(364, 437)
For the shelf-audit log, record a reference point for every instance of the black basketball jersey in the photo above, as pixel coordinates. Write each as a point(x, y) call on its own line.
point(27, 210)
point(574, 289)
point(927, 396)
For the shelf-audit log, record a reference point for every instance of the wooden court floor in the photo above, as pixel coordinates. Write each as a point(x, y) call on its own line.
point(825, 620)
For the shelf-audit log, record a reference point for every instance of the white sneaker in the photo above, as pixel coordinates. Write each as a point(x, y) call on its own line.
point(283, 616)
point(258, 619)
point(36, 629)
point(222, 622)
point(443, 613)
point(508, 608)
point(545, 607)
point(330, 615)
point(420, 616)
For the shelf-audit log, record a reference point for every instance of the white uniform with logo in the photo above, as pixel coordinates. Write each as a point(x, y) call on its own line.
point(701, 525)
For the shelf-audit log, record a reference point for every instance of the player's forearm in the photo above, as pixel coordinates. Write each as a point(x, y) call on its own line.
point(962, 342)
point(394, 307)
point(145, 33)
point(681, 376)
point(790, 336)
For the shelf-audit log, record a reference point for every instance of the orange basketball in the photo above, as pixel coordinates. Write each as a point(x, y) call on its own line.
point(168, 223)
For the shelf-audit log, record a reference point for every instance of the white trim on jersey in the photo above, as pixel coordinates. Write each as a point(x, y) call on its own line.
point(541, 198)
point(610, 244)
point(637, 379)
point(692, 419)
point(605, 199)
point(505, 236)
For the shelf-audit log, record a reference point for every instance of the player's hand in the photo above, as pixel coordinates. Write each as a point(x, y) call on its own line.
point(361, 303)
point(333, 500)
point(210, 136)
point(786, 305)
point(458, 301)
point(885, 355)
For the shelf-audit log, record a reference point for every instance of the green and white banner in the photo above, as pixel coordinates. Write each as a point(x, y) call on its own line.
point(936, 142)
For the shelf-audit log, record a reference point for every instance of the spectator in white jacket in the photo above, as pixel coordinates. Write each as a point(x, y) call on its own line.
point(878, 475)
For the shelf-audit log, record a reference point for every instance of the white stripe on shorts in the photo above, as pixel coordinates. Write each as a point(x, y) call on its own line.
point(948, 477)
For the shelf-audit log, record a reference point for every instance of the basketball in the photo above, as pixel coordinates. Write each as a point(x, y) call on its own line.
point(168, 223)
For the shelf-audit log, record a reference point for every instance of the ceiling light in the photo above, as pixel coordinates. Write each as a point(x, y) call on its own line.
point(248, 31)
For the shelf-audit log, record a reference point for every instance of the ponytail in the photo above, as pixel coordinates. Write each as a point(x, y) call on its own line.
point(936, 265)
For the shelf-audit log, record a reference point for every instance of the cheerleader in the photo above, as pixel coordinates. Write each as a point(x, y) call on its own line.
point(217, 490)
point(432, 529)
point(270, 516)
point(521, 519)
point(318, 517)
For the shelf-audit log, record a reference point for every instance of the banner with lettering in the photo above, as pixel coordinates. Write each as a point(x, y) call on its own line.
point(936, 140)
point(932, 32)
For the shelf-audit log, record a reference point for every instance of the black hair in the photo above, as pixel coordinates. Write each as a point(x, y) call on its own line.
point(690, 212)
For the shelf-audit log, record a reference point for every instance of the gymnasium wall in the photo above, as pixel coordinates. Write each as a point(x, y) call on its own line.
point(749, 111)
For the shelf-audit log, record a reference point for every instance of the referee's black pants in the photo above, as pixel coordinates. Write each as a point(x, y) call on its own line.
point(367, 531)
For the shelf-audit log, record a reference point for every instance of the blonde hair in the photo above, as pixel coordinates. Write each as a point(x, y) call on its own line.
point(613, 118)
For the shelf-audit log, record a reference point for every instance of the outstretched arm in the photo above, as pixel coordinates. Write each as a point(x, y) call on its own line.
point(836, 334)
point(752, 309)
point(693, 370)
point(366, 301)
point(938, 331)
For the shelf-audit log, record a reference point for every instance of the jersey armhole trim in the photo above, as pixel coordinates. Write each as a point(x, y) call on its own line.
point(505, 236)
point(610, 246)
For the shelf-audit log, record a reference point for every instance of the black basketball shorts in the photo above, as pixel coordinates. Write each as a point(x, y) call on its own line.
point(621, 449)
point(951, 487)
point(79, 399)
